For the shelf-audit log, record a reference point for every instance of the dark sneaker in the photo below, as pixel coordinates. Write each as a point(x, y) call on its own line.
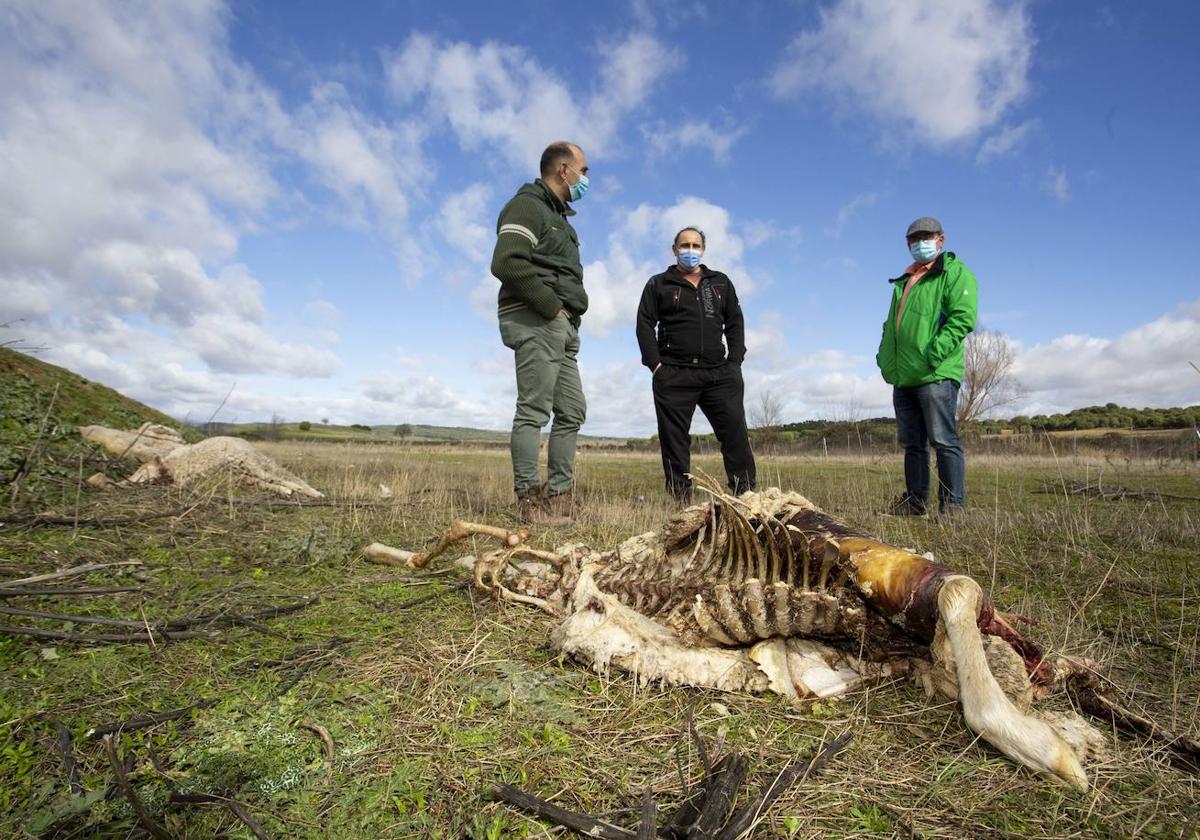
point(905, 506)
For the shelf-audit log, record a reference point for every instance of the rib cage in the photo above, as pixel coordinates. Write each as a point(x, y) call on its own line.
point(739, 570)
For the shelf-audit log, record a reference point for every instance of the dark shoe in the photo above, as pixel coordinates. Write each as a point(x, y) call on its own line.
point(681, 497)
point(949, 513)
point(906, 505)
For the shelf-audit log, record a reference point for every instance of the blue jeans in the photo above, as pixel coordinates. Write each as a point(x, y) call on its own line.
point(925, 414)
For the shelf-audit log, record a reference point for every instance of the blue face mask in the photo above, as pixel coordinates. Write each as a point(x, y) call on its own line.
point(579, 188)
point(923, 250)
point(689, 259)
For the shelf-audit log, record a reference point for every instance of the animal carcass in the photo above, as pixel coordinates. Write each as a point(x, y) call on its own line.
point(766, 591)
point(167, 459)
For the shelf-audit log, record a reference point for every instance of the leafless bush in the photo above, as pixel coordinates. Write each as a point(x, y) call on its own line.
point(988, 381)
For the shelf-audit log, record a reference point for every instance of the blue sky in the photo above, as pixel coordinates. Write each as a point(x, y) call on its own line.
point(294, 203)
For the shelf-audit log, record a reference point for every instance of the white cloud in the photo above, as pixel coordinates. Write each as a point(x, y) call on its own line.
point(461, 222)
point(1006, 141)
point(640, 247)
point(137, 152)
point(758, 232)
point(848, 211)
point(420, 397)
point(1058, 185)
point(945, 69)
point(324, 312)
point(500, 96)
point(620, 400)
point(1146, 366)
point(668, 138)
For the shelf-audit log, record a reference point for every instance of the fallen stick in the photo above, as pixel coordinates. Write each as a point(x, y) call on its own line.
point(64, 636)
point(227, 619)
point(326, 739)
point(65, 573)
point(646, 829)
point(239, 811)
point(68, 591)
point(66, 752)
point(236, 808)
point(41, 519)
point(1184, 752)
point(745, 816)
point(76, 619)
point(130, 794)
point(722, 791)
point(146, 722)
point(582, 823)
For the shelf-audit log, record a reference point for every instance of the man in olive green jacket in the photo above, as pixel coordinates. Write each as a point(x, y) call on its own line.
point(540, 304)
point(934, 306)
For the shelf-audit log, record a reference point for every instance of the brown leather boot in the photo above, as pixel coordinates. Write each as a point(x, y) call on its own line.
point(535, 509)
point(561, 505)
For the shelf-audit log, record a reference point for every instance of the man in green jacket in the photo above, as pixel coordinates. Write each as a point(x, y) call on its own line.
point(934, 305)
point(541, 302)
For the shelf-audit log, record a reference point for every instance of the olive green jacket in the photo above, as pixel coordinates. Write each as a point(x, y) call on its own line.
point(536, 258)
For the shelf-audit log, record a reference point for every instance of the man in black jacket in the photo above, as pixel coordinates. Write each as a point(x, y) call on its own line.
point(684, 314)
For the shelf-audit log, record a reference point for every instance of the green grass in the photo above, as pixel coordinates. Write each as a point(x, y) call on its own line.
point(428, 706)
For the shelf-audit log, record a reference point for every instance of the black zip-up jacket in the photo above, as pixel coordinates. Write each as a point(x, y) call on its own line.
point(681, 325)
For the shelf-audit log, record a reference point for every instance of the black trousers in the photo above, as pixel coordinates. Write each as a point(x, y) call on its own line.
point(719, 392)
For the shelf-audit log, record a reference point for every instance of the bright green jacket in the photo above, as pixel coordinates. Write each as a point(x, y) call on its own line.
point(927, 346)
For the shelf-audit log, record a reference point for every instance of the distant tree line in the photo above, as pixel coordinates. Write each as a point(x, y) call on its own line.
point(1109, 416)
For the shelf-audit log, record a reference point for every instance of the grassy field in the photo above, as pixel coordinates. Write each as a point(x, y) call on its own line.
point(428, 704)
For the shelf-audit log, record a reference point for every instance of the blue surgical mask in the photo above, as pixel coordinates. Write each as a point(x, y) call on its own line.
point(923, 250)
point(579, 188)
point(689, 259)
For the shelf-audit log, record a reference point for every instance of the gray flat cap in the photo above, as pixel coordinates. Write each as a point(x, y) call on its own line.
point(925, 224)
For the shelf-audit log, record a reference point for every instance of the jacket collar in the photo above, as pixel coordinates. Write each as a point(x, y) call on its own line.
point(938, 265)
point(552, 199)
point(675, 274)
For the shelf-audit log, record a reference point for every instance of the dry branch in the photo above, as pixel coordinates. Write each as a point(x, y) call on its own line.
point(582, 823)
point(704, 814)
point(66, 752)
point(1183, 751)
point(66, 573)
point(747, 814)
point(42, 519)
point(129, 793)
point(323, 734)
point(68, 591)
point(236, 808)
point(64, 636)
point(148, 721)
point(1113, 492)
point(225, 619)
point(77, 619)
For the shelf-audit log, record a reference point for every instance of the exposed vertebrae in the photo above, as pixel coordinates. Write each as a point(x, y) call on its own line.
point(744, 569)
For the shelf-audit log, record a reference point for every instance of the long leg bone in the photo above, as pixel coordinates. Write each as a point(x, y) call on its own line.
point(460, 530)
point(988, 711)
